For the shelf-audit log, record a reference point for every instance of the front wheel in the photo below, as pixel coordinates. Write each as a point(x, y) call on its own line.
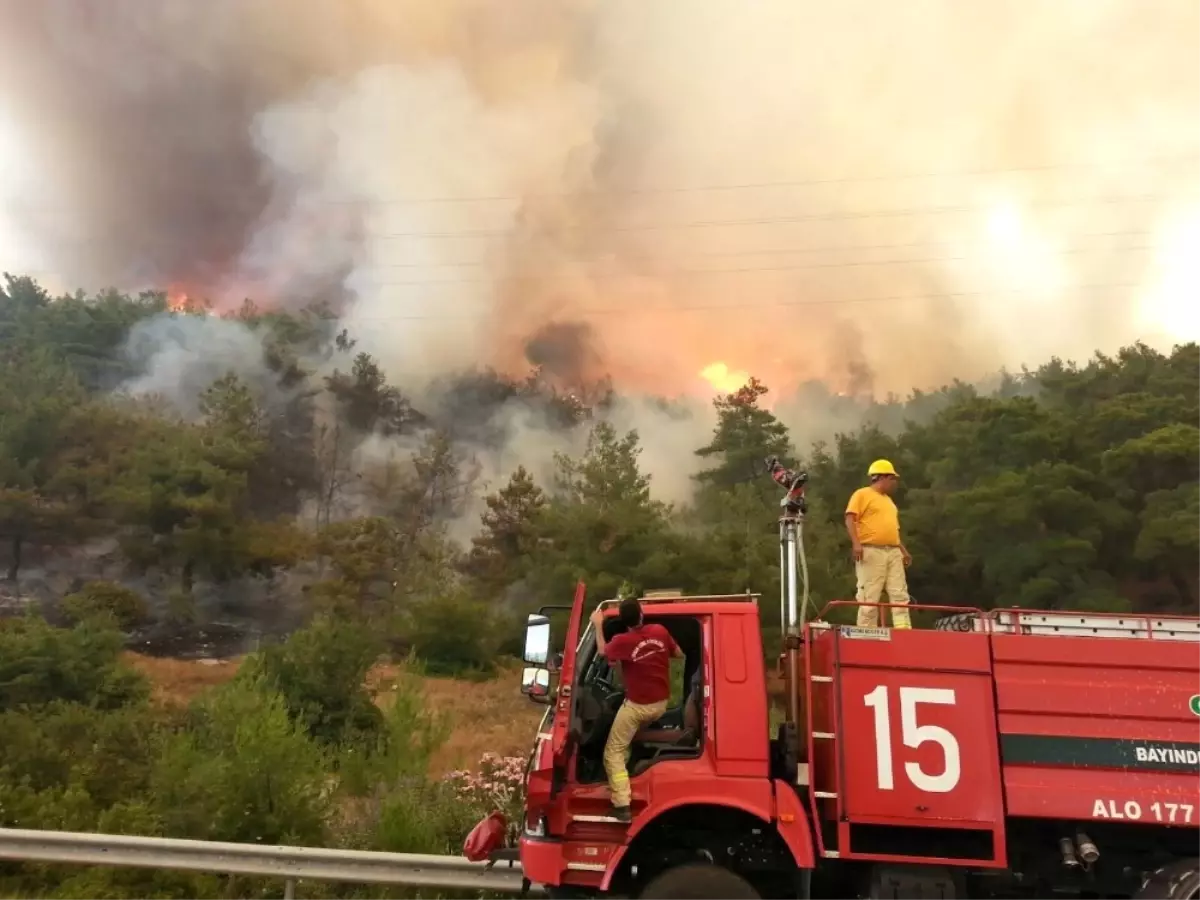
point(698, 880)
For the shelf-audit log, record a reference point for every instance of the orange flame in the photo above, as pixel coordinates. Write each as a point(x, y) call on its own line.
point(177, 300)
point(724, 379)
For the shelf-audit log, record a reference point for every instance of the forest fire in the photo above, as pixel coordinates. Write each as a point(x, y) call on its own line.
point(723, 378)
point(178, 300)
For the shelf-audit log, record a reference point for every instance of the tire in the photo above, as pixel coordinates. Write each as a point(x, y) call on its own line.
point(1178, 881)
point(698, 880)
point(956, 622)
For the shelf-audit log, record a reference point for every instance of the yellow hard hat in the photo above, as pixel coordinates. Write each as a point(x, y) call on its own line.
point(882, 467)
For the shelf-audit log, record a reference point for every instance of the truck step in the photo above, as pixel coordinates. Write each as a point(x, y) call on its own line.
point(587, 818)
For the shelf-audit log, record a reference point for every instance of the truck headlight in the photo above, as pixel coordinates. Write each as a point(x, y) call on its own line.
point(535, 827)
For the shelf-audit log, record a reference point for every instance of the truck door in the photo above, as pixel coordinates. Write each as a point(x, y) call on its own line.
point(555, 738)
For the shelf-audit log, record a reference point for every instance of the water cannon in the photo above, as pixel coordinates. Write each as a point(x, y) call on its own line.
point(792, 481)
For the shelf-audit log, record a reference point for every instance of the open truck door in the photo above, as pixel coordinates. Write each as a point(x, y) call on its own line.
point(555, 739)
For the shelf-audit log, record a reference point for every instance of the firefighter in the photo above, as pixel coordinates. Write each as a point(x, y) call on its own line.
point(644, 652)
point(880, 557)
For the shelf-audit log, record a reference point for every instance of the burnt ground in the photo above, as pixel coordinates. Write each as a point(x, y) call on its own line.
point(218, 621)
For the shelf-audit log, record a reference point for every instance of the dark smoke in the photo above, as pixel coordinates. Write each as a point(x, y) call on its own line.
point(144, 113)
point(565, 352)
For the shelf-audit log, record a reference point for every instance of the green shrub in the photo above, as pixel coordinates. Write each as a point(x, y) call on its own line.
point(106, 598)
point(320, 672)
point(40, 664)
point(405, 746)
point(106, 753)
point(418, 816)
point(454, 635)
point(244, 771)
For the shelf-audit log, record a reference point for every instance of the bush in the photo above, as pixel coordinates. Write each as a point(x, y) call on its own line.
point(454, 635)
point(108, 754)
point(416, 816)
point(40, 664)
point(320, 673)
point(405, 747)
point(499, 784)
point(244, 771)
point(106, 598)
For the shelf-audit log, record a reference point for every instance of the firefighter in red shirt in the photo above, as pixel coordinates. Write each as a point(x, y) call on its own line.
point(644, 652)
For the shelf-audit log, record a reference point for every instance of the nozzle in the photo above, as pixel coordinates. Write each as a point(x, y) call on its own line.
point(1088, 851)
point(1067, 848)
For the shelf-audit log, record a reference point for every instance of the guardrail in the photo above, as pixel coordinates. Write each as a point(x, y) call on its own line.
point(289, 863)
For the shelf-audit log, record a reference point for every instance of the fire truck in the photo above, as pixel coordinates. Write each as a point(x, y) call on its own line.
point(1001, 753)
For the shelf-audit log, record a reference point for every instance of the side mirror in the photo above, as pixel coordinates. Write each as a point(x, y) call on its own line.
point(535, 683)
point(537, 640)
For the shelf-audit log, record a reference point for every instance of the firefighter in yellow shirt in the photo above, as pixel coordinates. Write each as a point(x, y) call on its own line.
point(880, 558)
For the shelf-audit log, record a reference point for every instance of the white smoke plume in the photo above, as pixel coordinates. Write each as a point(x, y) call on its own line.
point(872, 195)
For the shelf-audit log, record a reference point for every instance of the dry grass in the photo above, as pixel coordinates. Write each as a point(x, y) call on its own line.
point(485, 716)
point(176, 682)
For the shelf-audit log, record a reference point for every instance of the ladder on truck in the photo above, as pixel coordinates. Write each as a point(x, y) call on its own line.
point(1154, 628)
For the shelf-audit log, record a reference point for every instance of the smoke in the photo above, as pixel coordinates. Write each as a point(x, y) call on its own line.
point(870, 195)
point(178, 357)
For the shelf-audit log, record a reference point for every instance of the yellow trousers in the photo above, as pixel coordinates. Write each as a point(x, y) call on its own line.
point(881, 569)
point(630, 717)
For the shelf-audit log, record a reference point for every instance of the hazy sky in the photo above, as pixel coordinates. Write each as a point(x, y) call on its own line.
point(876, 194)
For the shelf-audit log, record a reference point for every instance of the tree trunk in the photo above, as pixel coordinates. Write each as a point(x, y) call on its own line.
point(1182, 587)
point(14, 564)
point(187, 577)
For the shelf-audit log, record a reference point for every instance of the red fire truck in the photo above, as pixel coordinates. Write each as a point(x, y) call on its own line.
point(1009, 753)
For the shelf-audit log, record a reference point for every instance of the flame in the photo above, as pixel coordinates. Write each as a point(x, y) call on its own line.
point(178, 300)
point(724, 379)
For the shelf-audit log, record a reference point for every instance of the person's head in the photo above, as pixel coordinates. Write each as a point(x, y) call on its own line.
point(883, 475)
point(630, 613)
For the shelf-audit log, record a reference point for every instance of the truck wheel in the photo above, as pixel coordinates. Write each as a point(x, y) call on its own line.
point(1178, 881)
point(699, 880)
point(956, 622)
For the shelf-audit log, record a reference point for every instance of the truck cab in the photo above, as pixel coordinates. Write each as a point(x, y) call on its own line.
point(702, 771)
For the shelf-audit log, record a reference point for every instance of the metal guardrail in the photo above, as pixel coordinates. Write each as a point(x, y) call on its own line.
point(289, 863)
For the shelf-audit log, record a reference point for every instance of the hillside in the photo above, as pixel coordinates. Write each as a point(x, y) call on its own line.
point(486, 716)
point(308, 522)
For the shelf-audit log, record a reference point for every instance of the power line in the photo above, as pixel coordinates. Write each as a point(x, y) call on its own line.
point(1151, 161)
point(752, 185)
point(790, 183)
point(681, 271)
point(778, 251)
point(772, 220)
point(693, 272)
point(744, 307)
point(708, 223)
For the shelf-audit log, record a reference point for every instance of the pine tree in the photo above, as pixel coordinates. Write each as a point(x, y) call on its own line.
point(502, 552)
point(745, 435)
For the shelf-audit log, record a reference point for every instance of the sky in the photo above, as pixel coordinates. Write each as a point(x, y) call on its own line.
point(874, 195)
